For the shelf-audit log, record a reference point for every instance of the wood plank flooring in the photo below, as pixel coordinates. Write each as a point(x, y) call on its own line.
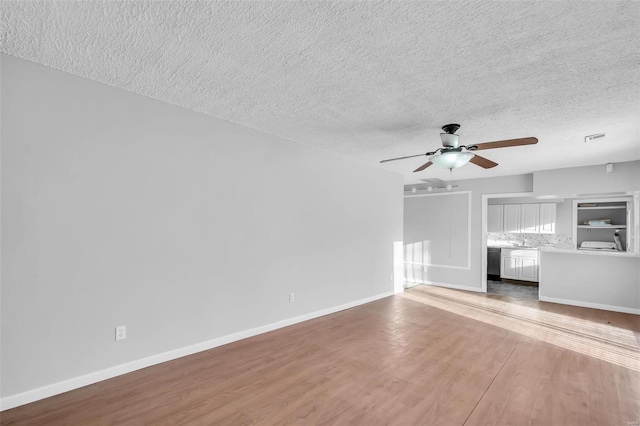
point(428, 356)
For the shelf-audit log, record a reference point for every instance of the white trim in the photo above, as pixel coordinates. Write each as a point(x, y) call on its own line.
point(411, 284)
point(16, 400)
point(453, 286)
point(483, 207)
point(590, 305)
point(484, 211)
point(424, 265)
point(631, 230)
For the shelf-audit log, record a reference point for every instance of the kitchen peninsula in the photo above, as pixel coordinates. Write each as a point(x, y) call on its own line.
point(602, 279)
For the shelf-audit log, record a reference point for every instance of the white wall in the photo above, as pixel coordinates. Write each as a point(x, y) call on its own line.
point(119, 209)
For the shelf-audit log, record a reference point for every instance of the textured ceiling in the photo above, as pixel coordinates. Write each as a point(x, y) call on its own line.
point(369, 80)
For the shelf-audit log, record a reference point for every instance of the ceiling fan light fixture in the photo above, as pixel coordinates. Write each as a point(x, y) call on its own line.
point(452, 159)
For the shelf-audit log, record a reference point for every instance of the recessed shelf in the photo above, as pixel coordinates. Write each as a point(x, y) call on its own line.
point(614, 214)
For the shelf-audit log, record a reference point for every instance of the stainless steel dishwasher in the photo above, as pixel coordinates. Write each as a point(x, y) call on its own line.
point(493, 262)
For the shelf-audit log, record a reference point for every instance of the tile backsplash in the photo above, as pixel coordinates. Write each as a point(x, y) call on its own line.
point(531, 239)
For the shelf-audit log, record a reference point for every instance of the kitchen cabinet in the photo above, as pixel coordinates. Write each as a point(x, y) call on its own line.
point(494, 218)
point(511, 223)
point(530, 221)
point(547, 222)
point(519, 264)
point(533, 218)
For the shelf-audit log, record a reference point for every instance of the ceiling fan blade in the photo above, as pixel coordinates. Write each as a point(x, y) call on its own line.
point(482, 162)
point(424, 166)
point(402, 158)
point(506, 143)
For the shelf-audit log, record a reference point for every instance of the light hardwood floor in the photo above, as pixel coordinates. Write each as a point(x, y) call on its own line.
point(428, 356)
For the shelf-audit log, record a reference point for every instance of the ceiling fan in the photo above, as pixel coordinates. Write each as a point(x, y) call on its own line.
point(452, 155)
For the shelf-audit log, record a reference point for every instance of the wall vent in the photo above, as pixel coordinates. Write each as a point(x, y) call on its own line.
point(591, 138)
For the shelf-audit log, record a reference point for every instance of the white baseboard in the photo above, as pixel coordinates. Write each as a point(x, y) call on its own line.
point(411, 284)
point(453, 286)
point(622, 309)
point(16, 400)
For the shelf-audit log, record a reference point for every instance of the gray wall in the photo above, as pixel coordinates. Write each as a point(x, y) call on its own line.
point(588, 180)
point(439, 240)
point(600, 281)
point(119, 209)
point(561, 182)
point(564, 217)
point(462, 278)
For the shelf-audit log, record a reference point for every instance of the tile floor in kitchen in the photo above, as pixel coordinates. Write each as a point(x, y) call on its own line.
point(514, 290)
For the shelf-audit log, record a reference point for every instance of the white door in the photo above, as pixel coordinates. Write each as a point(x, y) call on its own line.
point(530, 218)
point(494, 218)
point(509, 267)
point(528, 269)
point(547, 218)
point(511, 218)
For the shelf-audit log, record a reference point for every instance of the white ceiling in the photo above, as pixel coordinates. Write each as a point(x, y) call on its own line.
point(368, 80)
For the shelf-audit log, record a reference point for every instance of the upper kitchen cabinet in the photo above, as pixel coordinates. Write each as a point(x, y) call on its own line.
point(547, 218)
point(512, 218)
point(532, 218)
point(494, 218)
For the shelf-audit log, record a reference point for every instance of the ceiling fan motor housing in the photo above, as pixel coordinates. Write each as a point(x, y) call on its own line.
point(449, 139)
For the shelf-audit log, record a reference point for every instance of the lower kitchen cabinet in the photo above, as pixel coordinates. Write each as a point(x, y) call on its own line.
point(519, 264)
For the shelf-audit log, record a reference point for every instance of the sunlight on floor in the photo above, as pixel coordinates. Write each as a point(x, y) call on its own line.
point(612, 344)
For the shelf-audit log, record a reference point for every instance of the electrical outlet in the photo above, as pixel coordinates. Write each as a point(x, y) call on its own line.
point(121, 332)
point(292, 297)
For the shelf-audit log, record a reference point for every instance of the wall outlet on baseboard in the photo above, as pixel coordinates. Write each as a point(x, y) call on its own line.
point(121, 332)
point(292, 297)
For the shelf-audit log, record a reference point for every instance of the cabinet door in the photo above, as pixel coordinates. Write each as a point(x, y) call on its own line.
point(547, 218)
point(528, 269)
point(509, 267)
point(494, 218)
point(511, 218)
point(530, 218)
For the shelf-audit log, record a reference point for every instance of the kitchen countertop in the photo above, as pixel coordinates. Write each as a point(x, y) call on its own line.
point(512, 247)
point(589, 252)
